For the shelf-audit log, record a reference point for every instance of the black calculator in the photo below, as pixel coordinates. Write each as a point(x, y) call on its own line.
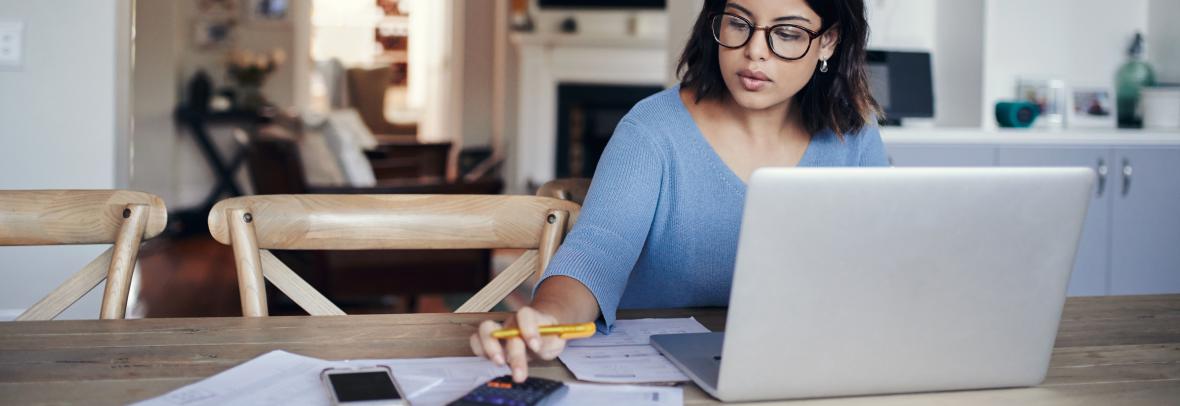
point(503, 392)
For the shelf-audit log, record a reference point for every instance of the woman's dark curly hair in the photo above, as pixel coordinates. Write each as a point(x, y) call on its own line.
point(839, 100)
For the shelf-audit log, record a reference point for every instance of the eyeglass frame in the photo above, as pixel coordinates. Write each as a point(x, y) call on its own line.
point(812, 35)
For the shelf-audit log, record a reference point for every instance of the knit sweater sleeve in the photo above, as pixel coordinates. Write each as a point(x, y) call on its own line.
point(616, 217)
point(872, 149)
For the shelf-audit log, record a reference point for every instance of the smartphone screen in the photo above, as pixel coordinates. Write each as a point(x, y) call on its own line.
point(363, 386)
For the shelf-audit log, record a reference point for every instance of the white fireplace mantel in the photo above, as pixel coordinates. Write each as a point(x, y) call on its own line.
point(547, 60)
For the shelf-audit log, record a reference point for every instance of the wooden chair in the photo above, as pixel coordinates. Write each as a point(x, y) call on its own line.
point(362, 277)
point(256, 224)
point(572, 189)
point(60, 217)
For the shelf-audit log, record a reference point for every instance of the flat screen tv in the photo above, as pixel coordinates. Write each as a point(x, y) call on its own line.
point(653, 4)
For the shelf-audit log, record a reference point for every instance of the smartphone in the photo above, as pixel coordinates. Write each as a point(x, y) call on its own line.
point(370, 386)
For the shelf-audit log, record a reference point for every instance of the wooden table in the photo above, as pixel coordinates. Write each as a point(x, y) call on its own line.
point(1110, 350)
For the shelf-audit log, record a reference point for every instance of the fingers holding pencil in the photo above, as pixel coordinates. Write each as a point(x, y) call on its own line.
point(529, 331)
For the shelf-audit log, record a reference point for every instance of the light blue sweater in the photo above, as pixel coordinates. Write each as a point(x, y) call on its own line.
point(659, 227)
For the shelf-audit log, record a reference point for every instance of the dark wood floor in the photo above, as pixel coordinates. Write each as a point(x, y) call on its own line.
point(195, 277)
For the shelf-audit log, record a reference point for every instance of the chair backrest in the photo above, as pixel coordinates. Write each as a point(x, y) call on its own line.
point(61, 217)
point(254, 225)
point(572, 189)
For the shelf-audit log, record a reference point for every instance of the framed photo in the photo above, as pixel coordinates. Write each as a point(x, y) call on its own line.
point(213, 33)
point(268, 12)
point(1049, 95)
point(1091, 107)
point(217, 8)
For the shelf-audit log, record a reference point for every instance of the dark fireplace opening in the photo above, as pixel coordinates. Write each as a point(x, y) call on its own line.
point(586, 118)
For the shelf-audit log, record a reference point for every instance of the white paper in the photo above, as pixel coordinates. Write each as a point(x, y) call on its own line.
point(585, 394)
point(283, 378)
point(625, 356)
point(274, 378)
point(639, 332)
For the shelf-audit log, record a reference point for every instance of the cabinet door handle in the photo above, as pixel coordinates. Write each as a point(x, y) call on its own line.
point(1102, 171)
point(1127, 171)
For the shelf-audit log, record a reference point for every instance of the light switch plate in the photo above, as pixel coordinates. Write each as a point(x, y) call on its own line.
point(11, 44)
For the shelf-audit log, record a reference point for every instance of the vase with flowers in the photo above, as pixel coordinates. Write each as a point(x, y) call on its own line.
point(249, 70)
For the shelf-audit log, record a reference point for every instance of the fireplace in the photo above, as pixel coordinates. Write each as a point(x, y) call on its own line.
point(598, 65)
point(586, 117)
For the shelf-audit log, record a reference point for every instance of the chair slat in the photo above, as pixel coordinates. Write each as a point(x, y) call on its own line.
point(551, 238)
point(249, 264)
point(502, 285)
point(296, 288)
point(71, 290)
point(362, 222)
point(126, 249)
point(54, 217)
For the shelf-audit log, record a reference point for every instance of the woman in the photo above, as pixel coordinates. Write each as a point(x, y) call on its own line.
point(764, 83)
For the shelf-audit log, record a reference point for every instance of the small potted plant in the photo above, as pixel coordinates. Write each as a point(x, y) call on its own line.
point(249, 70)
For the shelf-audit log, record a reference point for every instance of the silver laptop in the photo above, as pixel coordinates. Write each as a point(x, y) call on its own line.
point(873, 281)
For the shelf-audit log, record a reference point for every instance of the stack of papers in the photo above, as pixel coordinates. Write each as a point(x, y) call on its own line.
point(626, 355)
point(283, 378)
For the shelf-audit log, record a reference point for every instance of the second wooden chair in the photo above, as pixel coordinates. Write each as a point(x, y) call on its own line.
point(122, 218)
point(256, 224)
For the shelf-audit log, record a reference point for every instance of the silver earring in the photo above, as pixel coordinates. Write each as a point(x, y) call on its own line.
point(823, 65)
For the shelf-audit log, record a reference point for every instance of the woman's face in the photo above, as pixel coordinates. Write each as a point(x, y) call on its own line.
point(756, 77)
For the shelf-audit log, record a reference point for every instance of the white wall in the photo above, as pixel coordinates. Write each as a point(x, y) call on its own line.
point(478, 52)
point(1080, 41)
point(902, 24)
point(1163, 39)
point(155, 89)
point(61, 122)
point(958, 63)
point(682, 14)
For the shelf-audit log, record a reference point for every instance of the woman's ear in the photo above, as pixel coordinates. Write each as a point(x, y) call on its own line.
point(828, 42)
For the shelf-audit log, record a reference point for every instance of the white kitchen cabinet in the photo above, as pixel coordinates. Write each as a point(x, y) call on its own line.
point(1145, 221)
point(925, 155)
point(1131, 240)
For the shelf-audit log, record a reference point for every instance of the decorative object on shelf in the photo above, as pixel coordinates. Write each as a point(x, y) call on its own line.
point(249, 70)
point(1161, 107)
point(569, 25)
point(1132, 76)
point(1016, 114)
point(198, 92)
point(521, 20)
point(1091, 107)
point(1049, 96)
point(213, 32)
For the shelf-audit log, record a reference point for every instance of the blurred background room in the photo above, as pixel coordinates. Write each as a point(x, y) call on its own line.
point(200, 100)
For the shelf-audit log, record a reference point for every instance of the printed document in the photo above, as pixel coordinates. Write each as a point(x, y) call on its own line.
point(626, 355)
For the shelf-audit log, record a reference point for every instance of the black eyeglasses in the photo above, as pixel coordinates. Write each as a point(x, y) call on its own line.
point(787, 41)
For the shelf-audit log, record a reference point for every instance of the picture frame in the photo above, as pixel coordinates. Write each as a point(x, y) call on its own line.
point(272, 13)
point(214, 33)
point(1049, 95)
point(1091, 106)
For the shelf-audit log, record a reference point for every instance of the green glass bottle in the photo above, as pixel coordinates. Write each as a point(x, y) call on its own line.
point(1132, 76)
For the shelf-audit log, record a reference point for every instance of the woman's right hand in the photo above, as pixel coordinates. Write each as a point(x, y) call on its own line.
point(515, 352)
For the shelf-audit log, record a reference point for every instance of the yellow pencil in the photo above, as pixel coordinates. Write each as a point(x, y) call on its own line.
point(565, 331)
